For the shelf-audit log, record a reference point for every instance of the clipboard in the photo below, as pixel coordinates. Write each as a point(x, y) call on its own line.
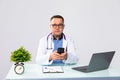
point(52, 69)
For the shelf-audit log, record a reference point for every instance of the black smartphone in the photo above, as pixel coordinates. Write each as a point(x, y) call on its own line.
point(60, 50)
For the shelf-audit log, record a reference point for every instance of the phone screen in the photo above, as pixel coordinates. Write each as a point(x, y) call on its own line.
point(60, 50)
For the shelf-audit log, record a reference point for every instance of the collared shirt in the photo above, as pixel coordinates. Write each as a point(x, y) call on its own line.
point(57, 44)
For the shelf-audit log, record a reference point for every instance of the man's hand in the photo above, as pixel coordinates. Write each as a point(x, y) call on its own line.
point(57, 56)
point(63, 56)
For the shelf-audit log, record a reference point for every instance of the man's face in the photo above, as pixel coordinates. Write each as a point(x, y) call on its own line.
point(57, 26)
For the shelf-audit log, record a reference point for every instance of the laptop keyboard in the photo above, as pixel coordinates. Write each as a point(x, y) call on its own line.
point(82, 68)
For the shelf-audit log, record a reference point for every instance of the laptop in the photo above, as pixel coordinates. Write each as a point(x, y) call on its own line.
point(99, 61)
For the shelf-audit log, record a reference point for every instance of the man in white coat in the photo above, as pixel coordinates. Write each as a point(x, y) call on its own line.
point(47, 51)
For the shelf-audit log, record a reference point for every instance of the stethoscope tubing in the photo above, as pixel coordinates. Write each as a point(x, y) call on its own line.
point(49, 48)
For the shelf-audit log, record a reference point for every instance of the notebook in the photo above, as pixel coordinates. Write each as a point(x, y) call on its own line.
point(99, 61)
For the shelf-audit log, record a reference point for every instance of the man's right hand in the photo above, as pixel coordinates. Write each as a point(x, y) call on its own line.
point(55, 56)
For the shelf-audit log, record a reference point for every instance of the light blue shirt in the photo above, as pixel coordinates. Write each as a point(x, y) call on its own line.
point(57, 44)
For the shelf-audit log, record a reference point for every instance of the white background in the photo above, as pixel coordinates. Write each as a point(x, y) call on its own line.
point(94, 26)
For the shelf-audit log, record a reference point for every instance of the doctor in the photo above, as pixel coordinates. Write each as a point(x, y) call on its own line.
point(47, 51)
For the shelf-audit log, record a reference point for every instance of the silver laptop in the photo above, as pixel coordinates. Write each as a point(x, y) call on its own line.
point(99, 61)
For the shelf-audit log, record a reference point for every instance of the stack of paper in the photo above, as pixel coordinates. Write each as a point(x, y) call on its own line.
point(52, 69)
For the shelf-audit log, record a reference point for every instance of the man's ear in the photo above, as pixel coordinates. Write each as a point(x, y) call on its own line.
point(50, 27)
point(63, 27)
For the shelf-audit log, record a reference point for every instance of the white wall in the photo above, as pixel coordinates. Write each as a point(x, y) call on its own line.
point(93, 24)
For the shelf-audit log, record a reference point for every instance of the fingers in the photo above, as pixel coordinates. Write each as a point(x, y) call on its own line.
point(54, 56)
point(57, 56)
point(64, 55)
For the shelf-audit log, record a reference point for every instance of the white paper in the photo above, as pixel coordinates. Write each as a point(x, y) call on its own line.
point(52, 69)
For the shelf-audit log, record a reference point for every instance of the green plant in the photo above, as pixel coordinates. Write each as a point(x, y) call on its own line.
point(20, 55)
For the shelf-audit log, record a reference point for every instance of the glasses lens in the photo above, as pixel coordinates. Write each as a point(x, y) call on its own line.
point(57, 25)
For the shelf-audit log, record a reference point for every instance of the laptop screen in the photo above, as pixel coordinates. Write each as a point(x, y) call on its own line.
point(100, 61)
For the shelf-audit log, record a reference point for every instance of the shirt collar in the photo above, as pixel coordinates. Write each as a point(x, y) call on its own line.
point(59, 38)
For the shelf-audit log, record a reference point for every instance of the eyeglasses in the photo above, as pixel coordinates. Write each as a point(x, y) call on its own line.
point(57, 25)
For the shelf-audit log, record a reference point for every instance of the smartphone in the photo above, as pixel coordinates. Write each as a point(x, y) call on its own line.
point(60, 50)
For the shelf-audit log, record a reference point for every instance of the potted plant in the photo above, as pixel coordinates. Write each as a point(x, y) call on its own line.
point(19, 56)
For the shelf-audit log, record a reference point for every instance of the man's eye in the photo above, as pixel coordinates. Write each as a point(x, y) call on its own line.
point(57, 24)
point(53, 24)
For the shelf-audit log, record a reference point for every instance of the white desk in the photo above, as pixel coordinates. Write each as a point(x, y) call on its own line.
point(34, 72)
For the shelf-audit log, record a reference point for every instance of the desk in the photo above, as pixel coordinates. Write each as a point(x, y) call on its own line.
point(34, 72)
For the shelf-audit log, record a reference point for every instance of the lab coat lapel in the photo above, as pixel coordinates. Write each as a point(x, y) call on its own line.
point(65, 44)
point(50, 44)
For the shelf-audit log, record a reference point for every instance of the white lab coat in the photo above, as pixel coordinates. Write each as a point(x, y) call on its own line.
point(43, 53)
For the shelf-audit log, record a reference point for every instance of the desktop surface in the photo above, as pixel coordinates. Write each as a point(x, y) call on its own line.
point(34, 72)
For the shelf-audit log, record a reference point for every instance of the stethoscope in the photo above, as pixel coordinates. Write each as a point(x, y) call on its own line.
point(49, 48)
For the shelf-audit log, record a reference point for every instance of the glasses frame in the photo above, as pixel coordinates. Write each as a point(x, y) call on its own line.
point(57, 26)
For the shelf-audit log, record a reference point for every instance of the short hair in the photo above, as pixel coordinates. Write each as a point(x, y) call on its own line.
point(57, 16)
